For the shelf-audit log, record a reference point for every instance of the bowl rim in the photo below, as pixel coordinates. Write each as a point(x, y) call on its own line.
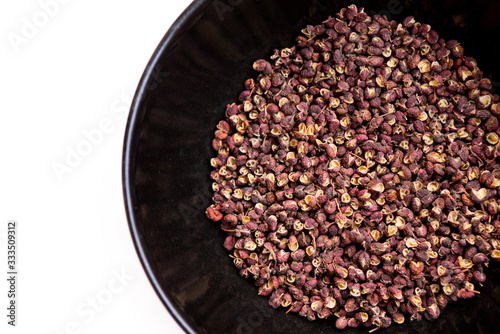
point(130, 139)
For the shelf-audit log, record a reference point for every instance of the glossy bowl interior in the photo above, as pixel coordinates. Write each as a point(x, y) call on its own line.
point(198, 68)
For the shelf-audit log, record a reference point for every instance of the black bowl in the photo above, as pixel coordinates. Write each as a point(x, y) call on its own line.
point(198, 68)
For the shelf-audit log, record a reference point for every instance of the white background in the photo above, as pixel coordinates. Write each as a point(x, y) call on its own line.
point(65, 77)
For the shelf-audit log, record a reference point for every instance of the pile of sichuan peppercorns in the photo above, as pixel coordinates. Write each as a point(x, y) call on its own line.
point(358, 175)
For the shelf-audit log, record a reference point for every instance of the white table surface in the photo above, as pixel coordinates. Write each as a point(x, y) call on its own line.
point(68, 72)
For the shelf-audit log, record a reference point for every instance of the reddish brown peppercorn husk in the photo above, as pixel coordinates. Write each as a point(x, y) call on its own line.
point(358, 177)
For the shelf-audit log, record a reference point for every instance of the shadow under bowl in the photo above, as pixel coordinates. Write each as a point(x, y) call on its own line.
point(198, 68)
